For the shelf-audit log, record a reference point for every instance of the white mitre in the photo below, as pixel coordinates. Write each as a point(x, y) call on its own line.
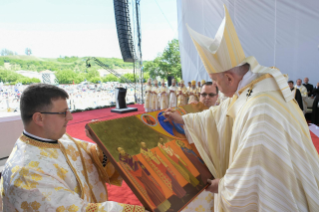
point(225, 52)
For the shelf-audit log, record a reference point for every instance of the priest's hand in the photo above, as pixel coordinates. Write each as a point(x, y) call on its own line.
point(213, 185)
point(172, 115)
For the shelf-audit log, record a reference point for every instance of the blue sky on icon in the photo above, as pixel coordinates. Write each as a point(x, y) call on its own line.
point(53, 28)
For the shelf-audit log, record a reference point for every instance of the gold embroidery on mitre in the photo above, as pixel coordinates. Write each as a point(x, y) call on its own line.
point(224, 51)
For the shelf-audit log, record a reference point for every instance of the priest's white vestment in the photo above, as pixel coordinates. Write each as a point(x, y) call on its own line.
point(65, 176)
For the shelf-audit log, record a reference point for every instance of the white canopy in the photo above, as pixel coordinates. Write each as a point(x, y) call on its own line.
point(281, 33)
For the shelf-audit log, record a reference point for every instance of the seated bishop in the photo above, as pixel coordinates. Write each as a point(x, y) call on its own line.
point(49, 170)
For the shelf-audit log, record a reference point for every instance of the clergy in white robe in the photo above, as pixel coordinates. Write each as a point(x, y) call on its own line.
point(304, 94)
point(155, 92)
point(172, 94)
point(199, 88)
point(296, 93)
point(50, 171)
point(163, 96)
point(257, 143)
point(182, 94)
point(148, 97)
point(192, 93)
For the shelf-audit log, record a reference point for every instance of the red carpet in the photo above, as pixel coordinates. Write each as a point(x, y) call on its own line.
point(315, 141)
point(76, 129)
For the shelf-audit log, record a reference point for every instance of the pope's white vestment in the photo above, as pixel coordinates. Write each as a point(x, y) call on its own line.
point(258, 144)
point(65, 176)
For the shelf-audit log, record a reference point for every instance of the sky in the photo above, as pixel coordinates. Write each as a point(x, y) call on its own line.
point(54, 28)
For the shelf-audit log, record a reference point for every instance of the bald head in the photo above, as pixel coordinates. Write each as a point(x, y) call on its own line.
point(306, 80)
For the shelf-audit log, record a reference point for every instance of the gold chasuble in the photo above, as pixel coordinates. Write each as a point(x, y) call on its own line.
point(257, 142)
point(65, 176)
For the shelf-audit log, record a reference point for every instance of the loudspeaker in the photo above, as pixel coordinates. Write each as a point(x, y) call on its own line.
point(124, 31)
point(120, 94)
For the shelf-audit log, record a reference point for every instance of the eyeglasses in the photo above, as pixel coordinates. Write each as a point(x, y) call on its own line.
point(56, 113)
point(209, 94)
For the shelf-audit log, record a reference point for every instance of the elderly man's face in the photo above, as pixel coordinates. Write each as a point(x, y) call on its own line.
point(306, 80)
point(299, 82)
point(208, 95)
point(173, 83)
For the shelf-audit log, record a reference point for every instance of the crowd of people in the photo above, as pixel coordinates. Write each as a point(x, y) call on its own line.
point(307, 97)
point(81, 96)
point(163, 97)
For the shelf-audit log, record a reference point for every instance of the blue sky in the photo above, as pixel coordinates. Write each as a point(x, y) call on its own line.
point(81, 27)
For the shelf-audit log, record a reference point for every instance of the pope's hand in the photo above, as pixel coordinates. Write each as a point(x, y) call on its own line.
point(213, 187)
point(172, 115)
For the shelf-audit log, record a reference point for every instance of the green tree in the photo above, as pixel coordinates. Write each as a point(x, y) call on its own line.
point(110, 78)
point(80, 77)
point(65, 76)
point(95, 79)
point(35, 80)
point(92, 73)
point(168, 64)
point(146, 76)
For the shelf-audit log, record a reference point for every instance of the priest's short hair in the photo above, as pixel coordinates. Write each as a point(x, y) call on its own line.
point(37, 97)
